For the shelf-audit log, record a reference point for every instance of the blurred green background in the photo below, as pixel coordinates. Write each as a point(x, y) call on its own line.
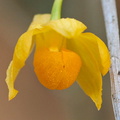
point(34, 102)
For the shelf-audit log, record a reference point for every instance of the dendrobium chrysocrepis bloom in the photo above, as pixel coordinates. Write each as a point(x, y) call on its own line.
point(63, 55)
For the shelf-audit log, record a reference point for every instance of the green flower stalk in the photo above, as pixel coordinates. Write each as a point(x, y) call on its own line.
point(56, 10)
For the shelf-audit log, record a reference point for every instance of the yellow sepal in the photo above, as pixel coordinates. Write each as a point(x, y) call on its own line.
point(39, 20)
point(68, 27)
point(89, 77)
point(105, 57)
point(22, 51)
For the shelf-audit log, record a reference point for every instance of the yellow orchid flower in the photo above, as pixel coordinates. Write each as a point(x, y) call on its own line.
point(63, 55)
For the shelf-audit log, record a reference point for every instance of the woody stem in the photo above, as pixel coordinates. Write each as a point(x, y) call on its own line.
point(112, 30)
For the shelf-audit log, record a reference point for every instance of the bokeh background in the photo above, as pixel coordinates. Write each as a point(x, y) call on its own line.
point(34, 102)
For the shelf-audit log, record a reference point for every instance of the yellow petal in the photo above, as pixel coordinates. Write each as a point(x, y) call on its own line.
point(67, 27)
point(39, 20)
point(21, 53)
point(51, 40)
point(89, 77)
